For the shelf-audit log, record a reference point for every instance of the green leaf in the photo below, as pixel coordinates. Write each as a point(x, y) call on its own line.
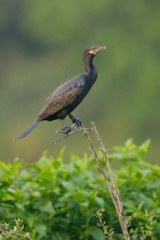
point(48, 208)
point(100, 201)
point(97, 233)
point(19, 206)
point(68, 185)
point(41, 230)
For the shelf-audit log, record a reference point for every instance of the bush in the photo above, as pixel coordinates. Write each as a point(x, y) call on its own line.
point(58, 200)
point(15, 233)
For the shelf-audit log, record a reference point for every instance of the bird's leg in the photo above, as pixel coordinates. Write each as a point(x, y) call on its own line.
point(76, 121)
point(64, 130)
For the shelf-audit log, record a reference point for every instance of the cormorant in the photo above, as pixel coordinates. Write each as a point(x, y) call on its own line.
point(64, 99)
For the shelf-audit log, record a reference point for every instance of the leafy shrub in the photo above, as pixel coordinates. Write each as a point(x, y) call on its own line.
point(15, 233)
point(59, 200)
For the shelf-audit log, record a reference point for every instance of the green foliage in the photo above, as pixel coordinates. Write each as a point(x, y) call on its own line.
point(140, 232)
point(138, 180)
point(15, 233)
point(53, 197)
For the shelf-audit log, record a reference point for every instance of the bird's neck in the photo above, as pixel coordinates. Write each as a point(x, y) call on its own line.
point(89, 67)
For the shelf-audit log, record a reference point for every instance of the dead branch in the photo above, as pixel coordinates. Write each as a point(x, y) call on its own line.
point(114, 193)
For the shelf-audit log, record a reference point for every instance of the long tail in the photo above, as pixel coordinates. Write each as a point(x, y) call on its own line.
point(28, 130)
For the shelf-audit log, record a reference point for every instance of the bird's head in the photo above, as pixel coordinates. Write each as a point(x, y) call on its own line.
point(93, 49)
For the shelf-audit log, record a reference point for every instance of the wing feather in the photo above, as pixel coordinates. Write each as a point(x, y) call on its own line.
point(62, 97)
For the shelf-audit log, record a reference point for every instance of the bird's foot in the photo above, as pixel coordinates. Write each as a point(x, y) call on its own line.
point(76, 123)
point(65, 130)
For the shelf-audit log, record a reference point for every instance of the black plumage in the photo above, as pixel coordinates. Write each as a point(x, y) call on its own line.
point(64, 99)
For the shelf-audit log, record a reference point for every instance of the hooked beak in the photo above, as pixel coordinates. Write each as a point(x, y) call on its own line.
point(100, 48)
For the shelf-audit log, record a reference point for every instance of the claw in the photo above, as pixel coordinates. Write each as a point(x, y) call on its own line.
point(64, 130)
point(76, 123)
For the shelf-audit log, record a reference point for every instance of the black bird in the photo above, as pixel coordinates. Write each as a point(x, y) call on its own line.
point(64, 99)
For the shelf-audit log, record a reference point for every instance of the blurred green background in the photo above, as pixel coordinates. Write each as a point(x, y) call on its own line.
point(41, 46)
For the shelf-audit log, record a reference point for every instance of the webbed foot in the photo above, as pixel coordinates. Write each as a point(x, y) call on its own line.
point(65, 130)
point(76, 121)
